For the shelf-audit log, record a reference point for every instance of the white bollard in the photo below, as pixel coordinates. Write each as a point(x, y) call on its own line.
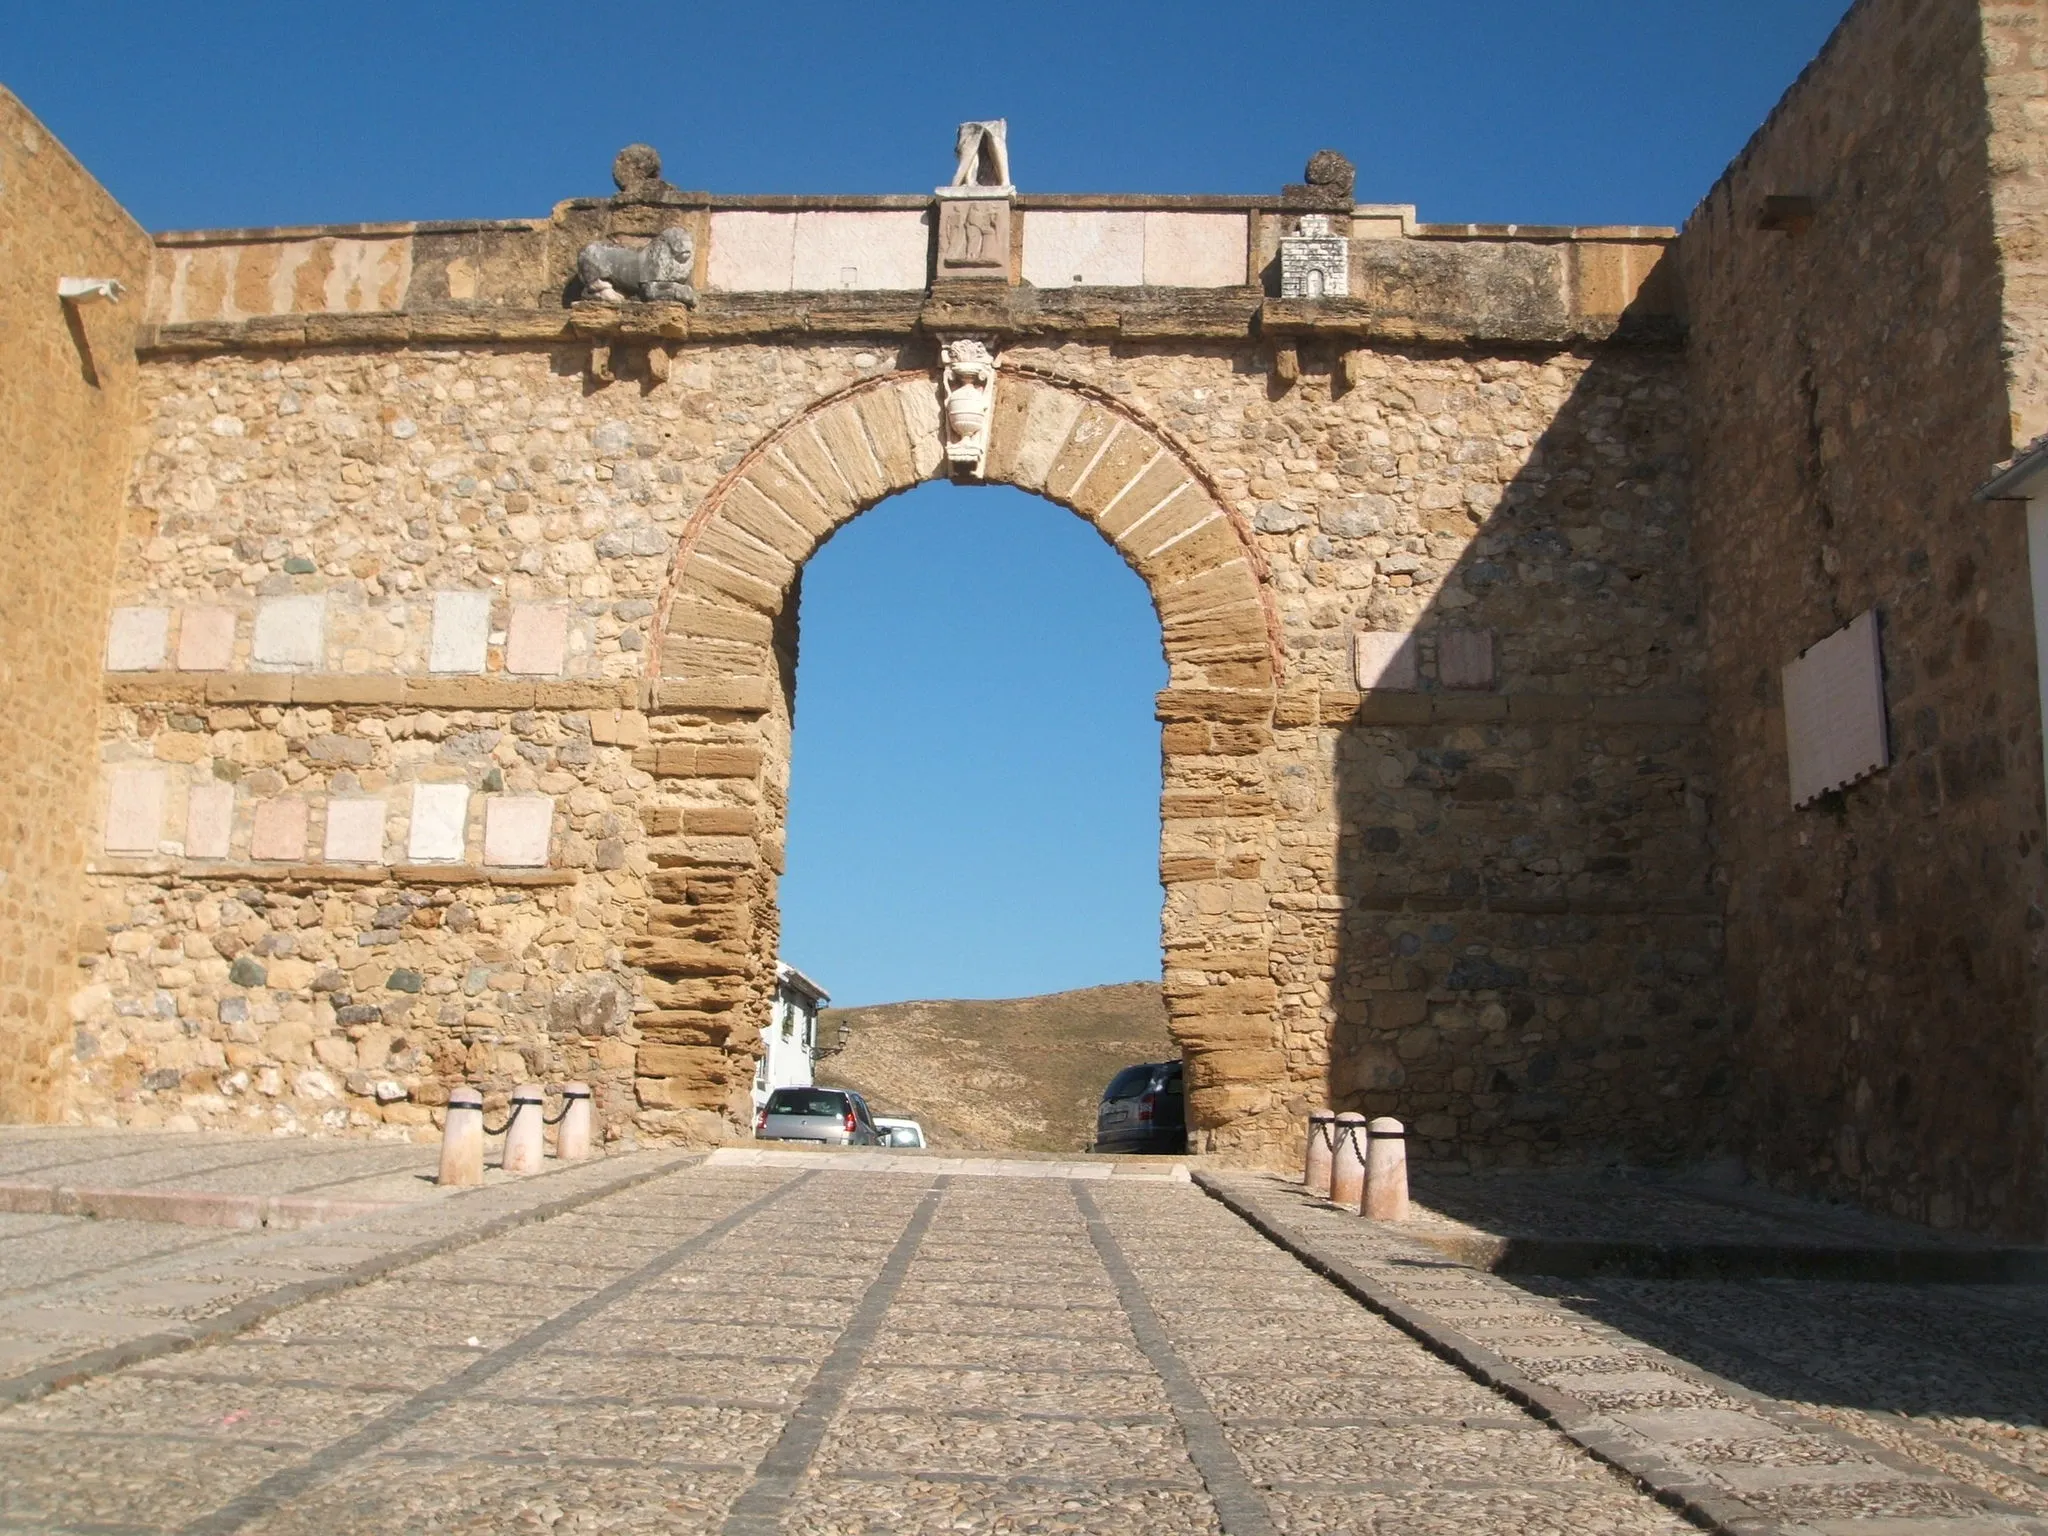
point(523, 1147)
point(572, 1139)
point(462, 1139)
point(1386, 1171)
point(1322, 1130)
point(1347, 1161)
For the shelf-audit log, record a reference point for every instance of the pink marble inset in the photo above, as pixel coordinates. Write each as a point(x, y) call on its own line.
point(206, 639)
point(209, 818)
point(516, 830)
point(537, 640)
point(279, 831)
point(135, 810)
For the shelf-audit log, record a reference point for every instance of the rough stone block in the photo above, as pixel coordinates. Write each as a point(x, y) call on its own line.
point(278, 830)
point(136, 639)
point(206, 639)
point(1464, 658)
point(1195, 250)
point(355, 832)
point(209, 820)
point(516, 830)
point(462, 632)
point(1384, 659)
point(135, 810)
point(439, 830)
point(1095, 248)
point(290, 632)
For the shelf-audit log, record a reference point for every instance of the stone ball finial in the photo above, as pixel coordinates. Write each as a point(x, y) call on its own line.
point(1327, 168)
point(635, 166)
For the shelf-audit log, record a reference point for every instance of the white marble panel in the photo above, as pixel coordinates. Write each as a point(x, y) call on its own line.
point(461, 633)
point(1385, 659)
point(1067, 248)
point(1195, 250)
point(516, 830)
point(355, 832)
point(135, 810)
point(290, 632)
point(209, 820)
point(137, 638)
point(537, 639)
point(206, 639)
point(1834, 711)
point(440, 823)
point(865, 249)
point(751, 252)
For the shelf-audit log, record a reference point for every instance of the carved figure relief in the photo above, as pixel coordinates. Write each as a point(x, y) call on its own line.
point(967, 387)
point(984, 154)
point(658, 272)
point(974, 233)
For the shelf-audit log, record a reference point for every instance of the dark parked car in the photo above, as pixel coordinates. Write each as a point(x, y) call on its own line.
point(836, 1116)
point(1144, 1109)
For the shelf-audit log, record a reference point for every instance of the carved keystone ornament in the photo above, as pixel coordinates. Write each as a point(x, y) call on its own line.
point(967, 391)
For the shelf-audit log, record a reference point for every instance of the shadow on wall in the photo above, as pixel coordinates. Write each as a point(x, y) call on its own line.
point(1529, 950)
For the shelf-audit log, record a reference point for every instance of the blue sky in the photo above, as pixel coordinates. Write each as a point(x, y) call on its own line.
point(974, 807)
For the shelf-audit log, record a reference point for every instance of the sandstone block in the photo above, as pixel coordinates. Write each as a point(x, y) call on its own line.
point(919, 403)
point(1093, 429)
point(888, 437)
point(1049, 418)
point(771, 479)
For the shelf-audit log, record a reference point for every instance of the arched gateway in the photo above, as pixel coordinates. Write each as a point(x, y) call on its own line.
point(723, 694)
point(447, 694)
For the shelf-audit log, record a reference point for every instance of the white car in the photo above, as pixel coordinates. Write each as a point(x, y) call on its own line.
point(899, 1133)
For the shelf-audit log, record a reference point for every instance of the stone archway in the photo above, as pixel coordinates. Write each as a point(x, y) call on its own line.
point(723, 662)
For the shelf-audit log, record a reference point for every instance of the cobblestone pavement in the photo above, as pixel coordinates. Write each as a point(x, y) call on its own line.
point(1848, 1408)
point(756, 1349)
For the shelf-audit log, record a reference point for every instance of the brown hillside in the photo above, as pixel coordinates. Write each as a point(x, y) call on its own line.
point(1016, 1073)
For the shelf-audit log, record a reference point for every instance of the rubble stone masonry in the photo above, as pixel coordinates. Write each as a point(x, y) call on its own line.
point(445, 722)
point(1849, 395)
point(67, 402)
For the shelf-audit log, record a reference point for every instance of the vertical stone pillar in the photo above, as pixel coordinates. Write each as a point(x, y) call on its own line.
point(1322, 1131)
point(1347, 1162)
point(572, 1140)
point(523, 1146)
point(462, 1140)
point(1386, 1170)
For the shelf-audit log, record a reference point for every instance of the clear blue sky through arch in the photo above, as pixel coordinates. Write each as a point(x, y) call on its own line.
point(974, 794)
point(236, 113)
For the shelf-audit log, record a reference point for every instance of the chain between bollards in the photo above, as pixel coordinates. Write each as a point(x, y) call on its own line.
point(463, 1131)
point(1358, 1164)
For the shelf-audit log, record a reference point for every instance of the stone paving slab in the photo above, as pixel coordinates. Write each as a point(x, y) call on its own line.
point(1734, 1458)
point(80, 1297)
point(926, 1163)
point(578, 1406)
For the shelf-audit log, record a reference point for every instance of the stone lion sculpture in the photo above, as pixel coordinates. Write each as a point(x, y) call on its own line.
point(658, 271)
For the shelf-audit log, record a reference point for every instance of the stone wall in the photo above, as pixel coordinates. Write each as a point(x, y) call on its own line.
point(67, 402)
point(1885, 944)
point(1475, 896)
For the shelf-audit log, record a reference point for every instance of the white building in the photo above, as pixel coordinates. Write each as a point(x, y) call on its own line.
point(790, 1044)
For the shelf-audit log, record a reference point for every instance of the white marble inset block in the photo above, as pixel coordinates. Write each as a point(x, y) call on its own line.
point(1195, 250)
point(279, 831)
point(209, 819)
point(135, 810)
point(291, 632)
point(1464, 658)
point(462, 631)
point(136, 639)
point(440, 823)
point(206, 639)
point(537, 640)
point(751, 252)
point(516, 830)
point(1834, 711)
point(355, 832)
point(860, 249)
point(1068, 248)
point(1384, 659)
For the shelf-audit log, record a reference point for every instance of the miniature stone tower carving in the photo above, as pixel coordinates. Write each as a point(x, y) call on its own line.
point(1314, 263)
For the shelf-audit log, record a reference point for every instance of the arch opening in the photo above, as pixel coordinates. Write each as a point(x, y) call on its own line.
point(725, 663)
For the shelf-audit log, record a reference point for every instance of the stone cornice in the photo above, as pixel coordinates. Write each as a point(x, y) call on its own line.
point(1240, 316)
